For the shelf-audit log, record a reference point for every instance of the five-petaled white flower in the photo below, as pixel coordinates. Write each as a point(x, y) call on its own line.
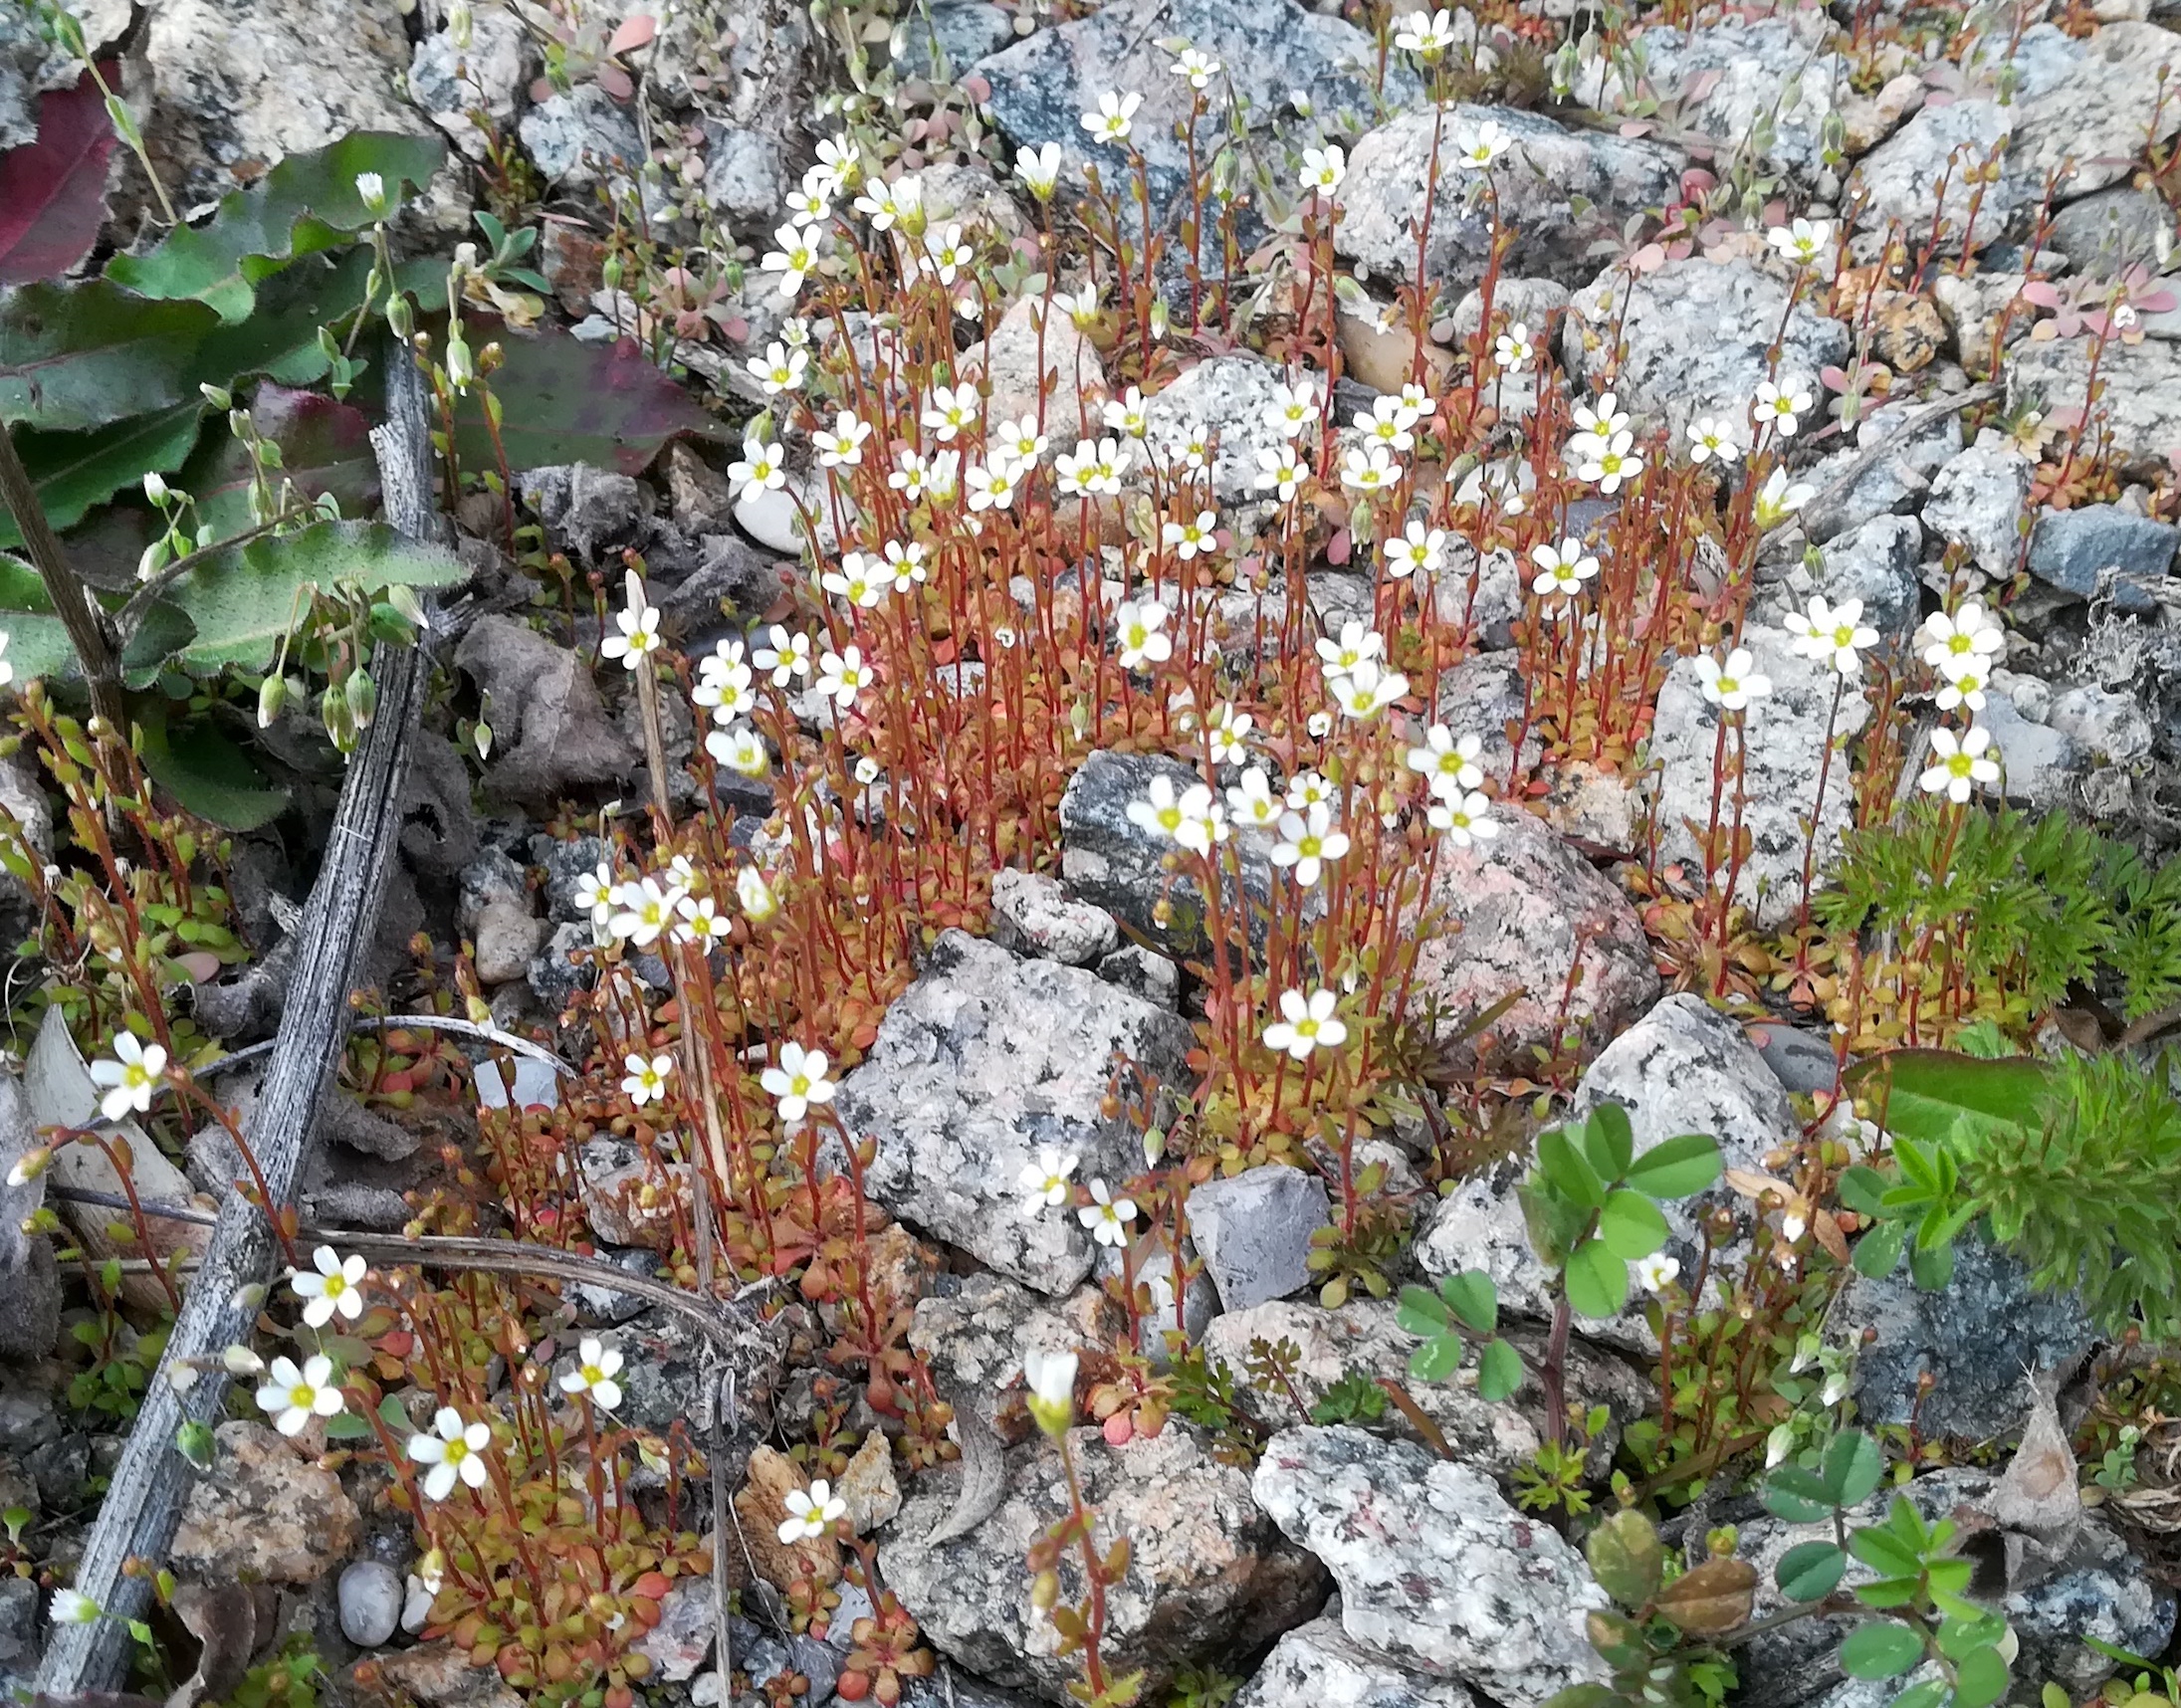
point(811, 1513)
point(596, 1364)
point(1959, 763)
point(1710, 437)
point(1368, 471)
point(1159, 812)
point(778, 369)
point(1612, 464)
point(1192, 536)
point(1448, 767)
point(1561, 568)
point(1227, 736)
point(1111, 121)
point(645, 1081)
point(1366, 691)
point(1779, 499)
point(1465, 818)
point(331, 1285)
point(454, 1449)
point(1425, 33)
point(1281, 470)
point(701, 922)
point(951, 410)
point(1512, 349)
point(1657, 1272)
point(292, 1397)
point(1417, 549)
point(646, 910)
point(1324, 168)
point(1734, 684)
point(638, 622)
point(1039, 169)
point(1832, 634)
point(1045, 1180)
point(1127, 414)
point(842, 447)
point(1356, 645)
point(797, 256)
point(594, 892)
point(798, 1081)
point(1965, 687)
point(762, 465)
point(1252, 803)
point(1195, 67)
point(132, 1076)
point(1107, 1217)
point(1778, 406)
point(1307, 842)
point(1293, 409)
point(1137, 632)
point(1971, 633)
point(1204, 822)
point(1491, 141)
point(1803, 242)
point(788, 658)
point(1306, 1022)
point(842, 676)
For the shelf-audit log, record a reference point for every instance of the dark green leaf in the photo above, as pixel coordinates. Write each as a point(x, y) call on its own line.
point(1500, 1370)
point(1631, 1225)
point(78, 356)
point(208, 775)
point(305, 204)
point(1421, 1311)
point(35, 644)
point(1878, 1253)
point(1980, 1679)
point(1884, 1551)
point(1471, 1296)
point(1931, 1271)
point(346, 1426)
point(1854, 1467)
point(390, 1413)
point(1810, 1571)
point(1676, 1168)
point(1879, 1649)
point(1925, 1092)
point(1608, 1141)
point(1797, 1495)
point(76, 472)
point(1627, 1558)
point(1860, 1189)
point(1567, 1170)
point(565, 401)
point(164, 631)
point(1436, 1358)
point(1598, 1281)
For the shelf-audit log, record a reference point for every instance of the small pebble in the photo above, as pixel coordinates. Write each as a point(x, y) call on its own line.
point(371, 1602)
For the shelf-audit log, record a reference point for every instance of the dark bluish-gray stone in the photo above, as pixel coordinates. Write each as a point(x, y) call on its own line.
point(2073, 549)
point(1253, 1231)
point(962, 32)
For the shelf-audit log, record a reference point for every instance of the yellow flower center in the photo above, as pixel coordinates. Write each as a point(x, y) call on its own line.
point(300, 1396)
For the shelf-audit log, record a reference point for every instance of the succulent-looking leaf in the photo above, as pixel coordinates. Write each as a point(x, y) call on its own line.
point(76, 472)
point(1712, 1599)
point(1810, 1571)
point(1627, 1558)
point(305, 205)
point(53, 190)
point(1676, 1168)
point(1879, 1648)
point(1980, 1679)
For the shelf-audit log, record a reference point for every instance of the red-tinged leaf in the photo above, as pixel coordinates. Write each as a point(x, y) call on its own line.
point(2042, 293)
point(2157, 302)
point(614, 80)
point(636, 31)
point(567, 402)
point(325, 447)
point(652, 1586)
point(53, 191)
point(1340, 548)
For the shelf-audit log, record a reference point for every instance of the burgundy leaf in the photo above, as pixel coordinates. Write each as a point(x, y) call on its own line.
point(53, 190)
point(567, 402)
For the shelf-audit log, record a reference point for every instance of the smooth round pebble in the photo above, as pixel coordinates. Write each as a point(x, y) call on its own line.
point(371, 1602)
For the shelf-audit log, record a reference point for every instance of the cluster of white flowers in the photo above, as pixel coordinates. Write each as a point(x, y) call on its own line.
point(1044, 1184)
point(1961, 648)
point(1602, 449)
point(1832, 634)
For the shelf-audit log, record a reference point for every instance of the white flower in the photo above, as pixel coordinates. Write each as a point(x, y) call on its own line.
point(1426, 34)
point(1280, 470)
point(1306, 1022)
point(811, 1514)
point(1227, 737)
point(594, 892)
point(1189, 537)
point(1159, 812)
point(1368, 471)
point(1959, 763)
point(1733, 683)
point(842, 676)
point(371, 192)
point(788, 658)
point(454, 1449)
point(1709, 438)
point(795, 257)
point(1387, 424)
point(1110, 124)
point(1418, 549)
point(1106, 1216)
point(993, 486)
point(1964, 689)
point(1612, 464)
point(1094, 469)
point(1324, 168)
point(1465, 818)
point(951, 409)
point(645, 1081)
point(73, 1608)
point(1778, 406)
point(1305, 789)
point(1195, 67)
point(596, 1364)
point(1039, 169)
point(1356, 646)
point(132, 1076)
point(1832, 634)
point(760, 465)
point(1793, 1228)
point(1366, 691)
point(1051, 1379)
point(1491, 141)
point(812, 203)
point(292, 1397)
point(701, 921)
point(1307, 842)
point(1293, 409)
point(1449, 767)
point(1657, 1272)
point(1126, 414)
point(1562, 568)
point(1203, 821)
point(1252, 802)
point(778, 369)
point(949, 255)
point(1968, 634)
point(1045, 1182)
point(1777, 499)
point(798, 1081)
point(331, 1285)
point(754, 895)
point(1803, 242)
point(646, 910)
point(1600, 421)
point(1137, 630)
point(1512, 349)
point(906, 564)
point(639, 626)
point(842, 447)
point(1019, 439)
point(841, 159)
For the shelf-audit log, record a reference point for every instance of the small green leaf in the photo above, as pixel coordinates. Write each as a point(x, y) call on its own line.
point(1608, 1141)
point(1471, 1296)
point(1568, 1171)
point(163, 631)
point(1677, 1167)
point(1980, 1679)
point(1879, 1649)
point(1885, 1552)
point(392, 1416)
point(1627, 1558)
point(1810, 1571)
point(206, 772)
point(1861, 1190)
point(1878, 1253)
point(1854, 1467)
point(193, 1440)
point(1597, 1280)
point(1421, 1311)
point(1931, 1271)
point(1436, 1358)
point(1500, 1370)
point(1631, 1225)
point(1929, 1694)
point(1797, 1495)
point(346, 1426)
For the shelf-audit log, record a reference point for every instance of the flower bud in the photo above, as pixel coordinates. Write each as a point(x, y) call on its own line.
point(272, 697)
point(242, 1362)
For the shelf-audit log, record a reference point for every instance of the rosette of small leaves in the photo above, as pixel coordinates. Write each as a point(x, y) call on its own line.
point(1590, 1204)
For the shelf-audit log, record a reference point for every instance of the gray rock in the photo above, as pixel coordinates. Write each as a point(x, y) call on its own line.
point(448, 83)
point(1535, 302)
point(1895, 480)
point(734, 583)
point(953, 36)
point(2073, 549)
point(2103, 1591)
point(1903, 176)
point(1876, 564)
point(493, 913)
point(593, 512)
point(1482, 696)
point(2084, 107)
point(1539, 180)
point(1803, 1062)
point(1783, 753)
point(2040, 766)
point(554, 977)
point(1253, 1231)
point(629, 1195)
point(682, 1639)
point(264, 1514)
point(974, 1331)
point(1145, 972)
point(550, 733)
point(1683, 1068)
point(1978, 502)
point(607, 1307)
point(1323, 1665)
point(2141, 405)
point(1975, 1337)
point(1042, 86)
point(983, 1063)
point(1436, 1572)
point(1107, 860)
point(1032, 914)
point(581, 140)
point(1750, 72)
point(2105, 234)
point(1514, 916)
point(1208, 1575)
point(30, 1281)
point(566, 863)
point(21, 1631)
point(2110, 724)
point(1695, 335)
point(745, 177)
point(371, 1595)
point(1230, 394)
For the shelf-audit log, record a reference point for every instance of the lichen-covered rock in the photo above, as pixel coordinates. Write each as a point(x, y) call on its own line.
point(1876, 564)
point(1518, 913)
point(1894, 481)
point(1070, 375)
point(264, 1514)
point(583, 139)
point(2141, 405)
point(449, 83)
point(1034, 914)
point(1231, 394)
point(1436, 1572)
point(1783, 740)
point(1742, 72)
point(1979, 501)
point(981, 1064)
point(1903, 177)
point(2086, 109)
point(1322, 1665)
point(1208, 1575)
point(1695, 338)
point(1973, 1336)
point(1540, 180)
